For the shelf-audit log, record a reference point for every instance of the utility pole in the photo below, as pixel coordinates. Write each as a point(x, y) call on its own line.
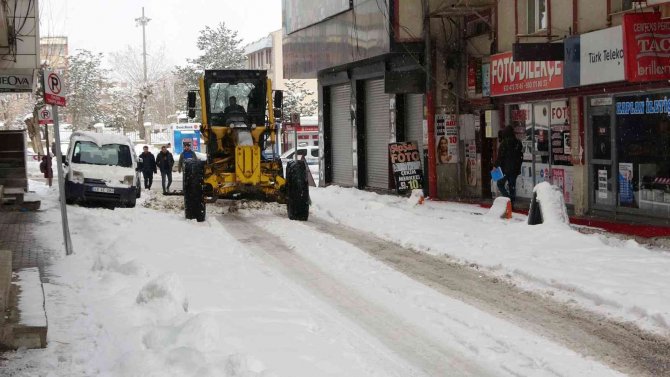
point(143, 21)
point(430, 109)
point(144, 89)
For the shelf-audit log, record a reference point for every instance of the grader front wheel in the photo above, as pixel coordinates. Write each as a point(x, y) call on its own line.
point(194, 200)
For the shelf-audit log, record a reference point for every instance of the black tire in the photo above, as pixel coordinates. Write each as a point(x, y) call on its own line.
point(297, 190)
point(138, 188)
point(131, 203)
point(69, 201)
point(194, 200)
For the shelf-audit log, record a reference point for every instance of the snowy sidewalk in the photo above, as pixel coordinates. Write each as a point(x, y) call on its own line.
point(620, 279)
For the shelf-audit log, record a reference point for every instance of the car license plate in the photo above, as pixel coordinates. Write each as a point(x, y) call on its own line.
point(106, 190)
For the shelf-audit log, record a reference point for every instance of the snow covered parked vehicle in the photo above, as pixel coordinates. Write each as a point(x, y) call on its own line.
point(101, 168)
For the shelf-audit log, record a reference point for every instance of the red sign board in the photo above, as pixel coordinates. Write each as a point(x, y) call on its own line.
point(53, 89)
point(510, 77)
point(646, 47)
point(290, 127)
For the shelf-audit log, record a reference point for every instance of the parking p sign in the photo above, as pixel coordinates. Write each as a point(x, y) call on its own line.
point(44, 115)
point(54, 93)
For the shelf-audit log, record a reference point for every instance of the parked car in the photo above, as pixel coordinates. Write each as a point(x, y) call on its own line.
point(310, 153)
point(101, 168)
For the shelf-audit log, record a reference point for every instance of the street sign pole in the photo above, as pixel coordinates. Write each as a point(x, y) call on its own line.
point(61, 184)
point(53, 86)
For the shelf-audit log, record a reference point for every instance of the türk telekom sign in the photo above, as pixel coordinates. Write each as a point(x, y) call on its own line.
point(510, 77)
point(646, 47)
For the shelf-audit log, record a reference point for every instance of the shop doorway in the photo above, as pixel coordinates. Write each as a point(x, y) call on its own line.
point(602, 190)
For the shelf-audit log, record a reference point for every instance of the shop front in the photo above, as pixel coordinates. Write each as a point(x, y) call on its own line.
point(544, 127)
point(630, 153)
point(629, 132)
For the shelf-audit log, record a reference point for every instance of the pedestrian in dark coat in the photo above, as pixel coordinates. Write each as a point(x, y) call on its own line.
point(148, 167)
point(510, 158)
point(165, 162)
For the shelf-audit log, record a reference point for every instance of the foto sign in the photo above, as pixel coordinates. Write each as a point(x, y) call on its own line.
point(44, 115)
point(54, 91)
point(512, 77)
point(406, 162)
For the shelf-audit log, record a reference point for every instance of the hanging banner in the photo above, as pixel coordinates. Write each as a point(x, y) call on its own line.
point(510, 77)
point(406, 163)
point(486, 80)
point(646, 47)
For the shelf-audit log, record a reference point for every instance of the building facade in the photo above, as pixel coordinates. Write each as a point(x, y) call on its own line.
point(368, 57)
point(593, 121)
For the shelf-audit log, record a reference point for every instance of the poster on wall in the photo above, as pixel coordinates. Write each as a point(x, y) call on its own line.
point(446, 133)
point(563, 178)
point(406, 163)
point(560, 133)
point(626, 190)
point(602, 184)
point(471, 168)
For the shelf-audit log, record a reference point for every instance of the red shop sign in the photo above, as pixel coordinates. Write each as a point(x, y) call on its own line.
point(646, 47)
point(510, 77)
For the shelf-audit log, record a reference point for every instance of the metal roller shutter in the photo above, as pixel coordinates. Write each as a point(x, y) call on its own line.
point(342, 141)
point(414, 118)
point(376, 134)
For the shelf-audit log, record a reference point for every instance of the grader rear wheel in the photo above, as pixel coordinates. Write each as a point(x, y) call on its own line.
point(297, 190)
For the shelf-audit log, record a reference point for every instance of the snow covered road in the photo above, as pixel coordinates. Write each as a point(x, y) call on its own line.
point(250, 293)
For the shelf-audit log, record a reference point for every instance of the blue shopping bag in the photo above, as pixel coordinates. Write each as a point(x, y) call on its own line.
point(497, 174)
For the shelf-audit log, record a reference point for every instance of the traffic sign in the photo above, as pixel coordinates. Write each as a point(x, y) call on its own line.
point(53, 89)
point(44, 115)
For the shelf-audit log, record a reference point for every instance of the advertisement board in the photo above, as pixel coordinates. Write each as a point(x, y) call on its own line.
point(510, 77)
point(446, 134)
point(602, 56)
point(406, 163)
point(646, 47)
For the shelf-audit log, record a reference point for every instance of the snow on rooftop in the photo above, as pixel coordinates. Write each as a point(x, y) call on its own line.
point(102, 139)
point(258, 45)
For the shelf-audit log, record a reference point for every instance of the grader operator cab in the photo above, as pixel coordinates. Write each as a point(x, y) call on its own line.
point(239, 112)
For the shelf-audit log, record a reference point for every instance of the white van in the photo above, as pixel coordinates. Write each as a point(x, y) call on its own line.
point(101, 168)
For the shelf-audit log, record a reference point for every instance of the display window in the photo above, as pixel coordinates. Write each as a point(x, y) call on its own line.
point(544, 130)
point(643, 152)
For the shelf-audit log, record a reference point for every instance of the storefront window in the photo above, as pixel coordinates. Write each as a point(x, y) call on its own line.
point(544, 131)
point(643, 152)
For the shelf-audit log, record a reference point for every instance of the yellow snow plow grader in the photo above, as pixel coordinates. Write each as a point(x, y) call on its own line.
point(239, 114)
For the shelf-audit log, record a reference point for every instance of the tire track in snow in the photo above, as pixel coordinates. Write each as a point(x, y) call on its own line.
point(395, 333)
point(623, 347)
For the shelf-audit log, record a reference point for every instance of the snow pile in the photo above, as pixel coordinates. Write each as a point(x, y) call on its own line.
point(552, 205)
point(166, 289)
point(499, 208)
point(416, 197)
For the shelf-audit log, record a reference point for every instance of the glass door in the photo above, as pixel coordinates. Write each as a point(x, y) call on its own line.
point(601, 166)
